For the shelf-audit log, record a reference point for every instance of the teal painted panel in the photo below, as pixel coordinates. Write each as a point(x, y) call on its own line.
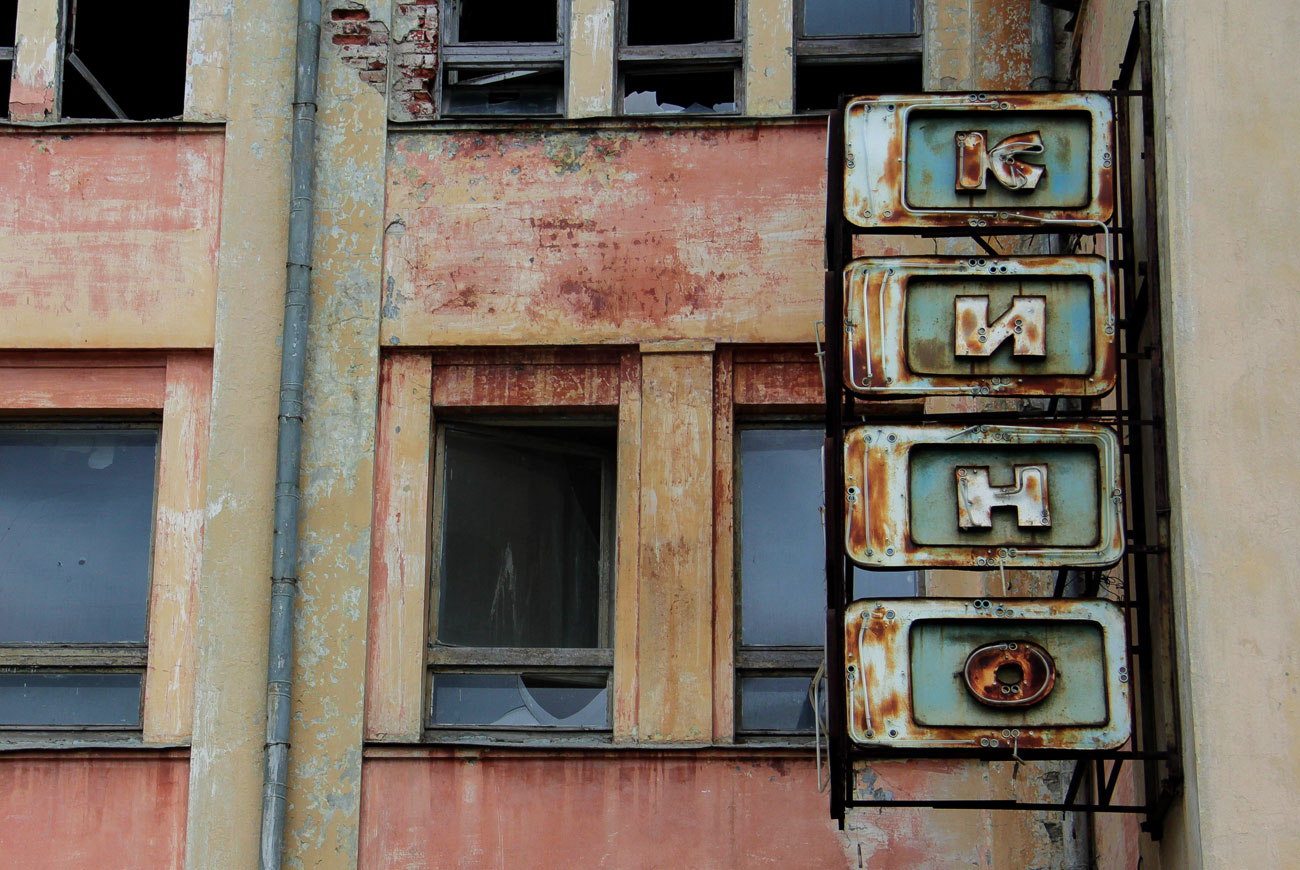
point(937, 654)
point(1073, 484)
point(930, 325)
point(931, 159)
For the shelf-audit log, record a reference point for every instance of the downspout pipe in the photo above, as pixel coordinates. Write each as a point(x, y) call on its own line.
point(288, 498)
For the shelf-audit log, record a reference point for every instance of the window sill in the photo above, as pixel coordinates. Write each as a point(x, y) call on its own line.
point(472, 746)
point(498, 123)
point(110, 125)
point(51, 741)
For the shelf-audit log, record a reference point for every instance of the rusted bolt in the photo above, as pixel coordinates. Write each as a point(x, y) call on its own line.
point(979, 561)
point(983, 339)
point(889, 551)
point(961, 472)
point(1006, 732)
point(893, 438)
point(889, 614)
point(984, 741)
point(889, 213)
point(961, 137)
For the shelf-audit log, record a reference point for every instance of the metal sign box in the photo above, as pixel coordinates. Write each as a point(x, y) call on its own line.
point(1012, 673)
point(980, 497)
point(1001, 326)
point(978, 160)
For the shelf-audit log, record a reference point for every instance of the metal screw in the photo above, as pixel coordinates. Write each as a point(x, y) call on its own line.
point(984, 741)
point(889, 551)
point(893, 732)
point(889, 614)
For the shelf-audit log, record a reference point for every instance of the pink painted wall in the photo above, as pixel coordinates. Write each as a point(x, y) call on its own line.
point(605, 235)
point(100, 810)
point(615, 810)
point(109, 239)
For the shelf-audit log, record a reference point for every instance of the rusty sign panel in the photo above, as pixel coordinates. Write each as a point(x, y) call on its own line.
point(1005, 673)
point(1000, 326)
point(982, 497)
point(978, 160)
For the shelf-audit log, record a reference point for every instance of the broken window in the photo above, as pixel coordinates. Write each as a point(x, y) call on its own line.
point(522, 588)
point(124, 66)
point(76, 521)
point(502, 58)
point(855, 47)
point(678, 57)
point(780, 554)
point(8, 31)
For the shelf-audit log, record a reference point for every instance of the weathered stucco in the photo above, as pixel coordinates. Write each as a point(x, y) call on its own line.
point(594, 236)
point(109, 239)
point(225, 787)
point(1230, 325)
point(72, 810)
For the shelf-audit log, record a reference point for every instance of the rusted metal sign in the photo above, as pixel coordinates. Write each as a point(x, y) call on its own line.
point(978, 160)
point(1008, 673)
point(981, 497)
point(1001, 326)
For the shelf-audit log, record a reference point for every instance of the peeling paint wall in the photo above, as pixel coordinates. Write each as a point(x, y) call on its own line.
point(109, 239)
point(583, 236)
point(72, 810)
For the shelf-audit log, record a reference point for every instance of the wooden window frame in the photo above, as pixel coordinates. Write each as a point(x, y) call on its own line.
point(712, 56)
point(454, 56)
point(518, 660)
point(169, 391)
point(65, 657)
point(885, 49)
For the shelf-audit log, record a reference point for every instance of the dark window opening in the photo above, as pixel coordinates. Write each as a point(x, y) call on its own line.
point(502, 91)
point(680, 22)
point(126, 65)
point(697, 91)
point(858, 17)
point(818, 86)
point(507, 21)
point(522, 621)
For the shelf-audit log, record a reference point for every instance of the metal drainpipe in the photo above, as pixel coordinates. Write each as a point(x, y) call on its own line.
point(293, 365)
point(1042, 47)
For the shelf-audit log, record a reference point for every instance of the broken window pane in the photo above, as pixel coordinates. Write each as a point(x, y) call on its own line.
point(125, 66)
point(502, 92)
point(76, 517)
point(43, 699)
point(507, 21)
point(818, 86)
point(524, 522)
point(8, 23)
point(521, 700)
point(857, 17)
point(680, 22)
point(779, 704)
point(702, 91)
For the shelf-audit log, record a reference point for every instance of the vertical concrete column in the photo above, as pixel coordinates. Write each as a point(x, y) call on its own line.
point(206, 61)
point(33, 93)
point(675, 601)
point(342, 400)
point(591, 58)
point(769, 57)
point(225, 789)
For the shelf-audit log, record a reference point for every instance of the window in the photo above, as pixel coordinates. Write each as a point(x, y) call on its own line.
point(855, 47)
point(679, 56)
point(502, 57)
point(522, 587)
point(124, 65)
point(780, 560)
point(76, 522)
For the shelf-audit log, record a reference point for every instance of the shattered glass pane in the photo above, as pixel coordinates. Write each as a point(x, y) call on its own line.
point(704, 91)
point(857, 17)
point(502, 92)
point(76, 522)
point(43, 699)
point(521, 700)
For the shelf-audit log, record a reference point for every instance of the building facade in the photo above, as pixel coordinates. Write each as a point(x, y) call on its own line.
point(559, 588)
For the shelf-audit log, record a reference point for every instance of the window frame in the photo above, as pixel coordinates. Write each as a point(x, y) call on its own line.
point(876, 49)
point(69, 657)
point(680, 58)
point(454, 55)
point(521, 661)
point(777, 660)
